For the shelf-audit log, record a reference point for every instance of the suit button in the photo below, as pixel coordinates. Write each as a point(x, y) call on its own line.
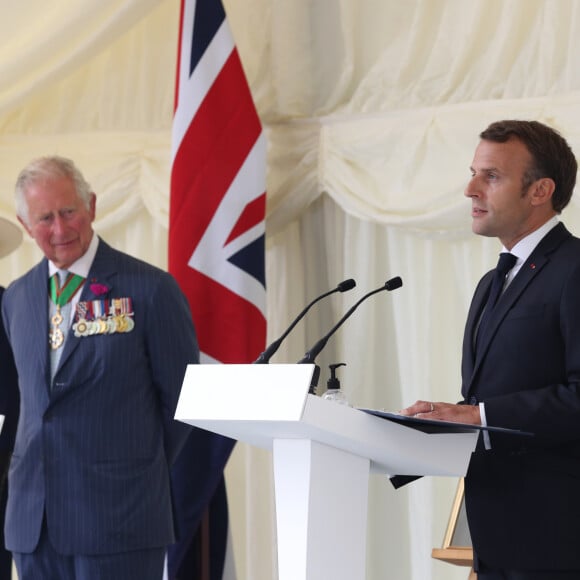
point(473, 400)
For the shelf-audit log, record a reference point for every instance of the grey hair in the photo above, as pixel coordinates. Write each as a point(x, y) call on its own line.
point(46, 168)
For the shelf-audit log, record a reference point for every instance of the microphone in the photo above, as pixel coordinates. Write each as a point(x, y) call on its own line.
point(309, 357)
point(265, 357)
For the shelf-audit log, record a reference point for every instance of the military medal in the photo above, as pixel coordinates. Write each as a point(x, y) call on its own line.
point(105, 316)
point(122, 309)
point(81, 328)
point(100, 308)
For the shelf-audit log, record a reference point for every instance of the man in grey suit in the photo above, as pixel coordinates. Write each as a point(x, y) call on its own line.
point(521, 360)
point(101, 350)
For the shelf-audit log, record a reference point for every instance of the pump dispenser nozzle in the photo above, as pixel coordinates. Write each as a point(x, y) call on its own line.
point(335, 392)
point(333, 382)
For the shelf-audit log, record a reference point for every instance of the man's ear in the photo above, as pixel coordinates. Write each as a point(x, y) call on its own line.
point(542, 191)
point(25, 226)
point(93, 206)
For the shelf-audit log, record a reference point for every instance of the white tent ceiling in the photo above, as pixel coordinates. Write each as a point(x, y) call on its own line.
point(372, 109)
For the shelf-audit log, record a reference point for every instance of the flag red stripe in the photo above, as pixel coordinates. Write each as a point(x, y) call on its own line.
point(252, 215)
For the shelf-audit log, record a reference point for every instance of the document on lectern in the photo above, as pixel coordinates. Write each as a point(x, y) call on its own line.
point(436, 426)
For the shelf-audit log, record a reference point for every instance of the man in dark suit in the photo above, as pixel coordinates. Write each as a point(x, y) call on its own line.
point(521, 361)
point(89, 494)
point(10, 238)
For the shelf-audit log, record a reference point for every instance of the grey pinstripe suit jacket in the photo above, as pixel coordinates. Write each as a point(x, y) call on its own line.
point(93, 449)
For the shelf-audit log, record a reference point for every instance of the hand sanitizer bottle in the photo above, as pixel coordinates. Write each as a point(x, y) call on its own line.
point(334, 391)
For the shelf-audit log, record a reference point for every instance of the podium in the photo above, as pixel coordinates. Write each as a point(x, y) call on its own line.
point(323, 455)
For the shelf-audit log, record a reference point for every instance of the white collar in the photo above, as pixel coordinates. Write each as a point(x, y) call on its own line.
point(527, 245)
point(83, 265)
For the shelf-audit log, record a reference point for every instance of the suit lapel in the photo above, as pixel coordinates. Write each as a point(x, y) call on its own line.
point(475, 312)
point(37, 303)
point(103, 273)
point(538, 259)
point(526, 274)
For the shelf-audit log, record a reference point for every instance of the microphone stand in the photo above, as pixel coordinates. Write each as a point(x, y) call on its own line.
point(311, 355)
point(265, 356)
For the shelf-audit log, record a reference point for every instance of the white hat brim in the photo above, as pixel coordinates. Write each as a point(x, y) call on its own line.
point(10, 237)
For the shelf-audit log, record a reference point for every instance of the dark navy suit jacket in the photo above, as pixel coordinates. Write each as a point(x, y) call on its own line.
point(8, 392)
point(93, 449)
point(523, 495)
point(9, 402)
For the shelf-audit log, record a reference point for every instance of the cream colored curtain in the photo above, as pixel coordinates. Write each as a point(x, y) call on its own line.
point(372, 110)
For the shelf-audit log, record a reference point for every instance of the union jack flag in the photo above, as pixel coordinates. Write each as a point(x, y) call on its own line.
point(216, 236)
point(218, 190)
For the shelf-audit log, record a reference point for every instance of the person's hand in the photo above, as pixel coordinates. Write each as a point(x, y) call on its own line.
point(468, 414)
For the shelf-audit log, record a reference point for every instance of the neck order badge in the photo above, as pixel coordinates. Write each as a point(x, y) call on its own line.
point(60, 297)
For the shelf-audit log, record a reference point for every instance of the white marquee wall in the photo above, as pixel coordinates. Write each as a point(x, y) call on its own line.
point(372, 110)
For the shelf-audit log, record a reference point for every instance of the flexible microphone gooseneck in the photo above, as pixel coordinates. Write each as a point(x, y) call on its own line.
point(265, 357)
point(311, 355)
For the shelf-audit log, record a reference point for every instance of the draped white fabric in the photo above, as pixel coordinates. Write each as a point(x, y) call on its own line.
point(372, 110)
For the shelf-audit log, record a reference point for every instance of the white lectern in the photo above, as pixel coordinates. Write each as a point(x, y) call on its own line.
point(323, 454)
